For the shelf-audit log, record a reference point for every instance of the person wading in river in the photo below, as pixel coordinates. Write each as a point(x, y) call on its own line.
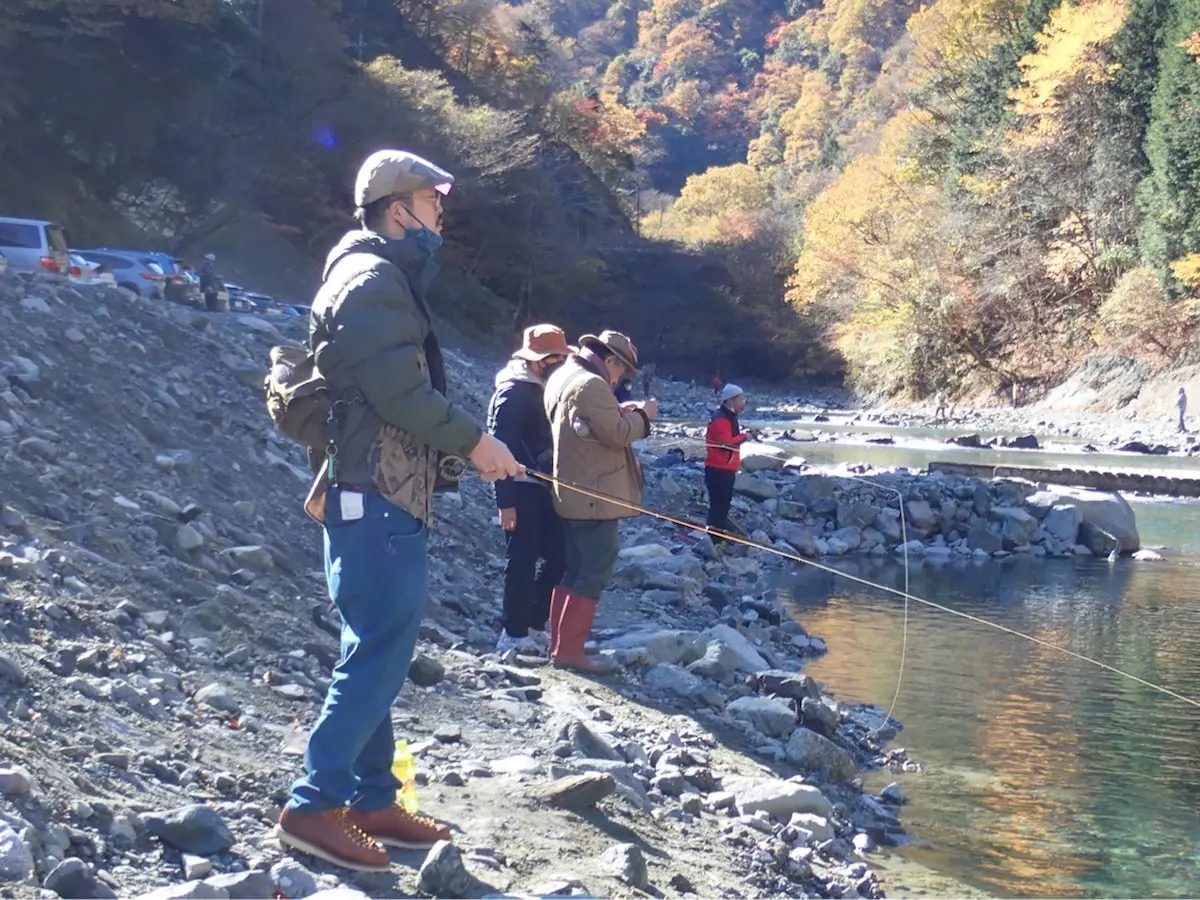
point(533, 532)
point(592, 437)
point(372, 336)
point(724, 439)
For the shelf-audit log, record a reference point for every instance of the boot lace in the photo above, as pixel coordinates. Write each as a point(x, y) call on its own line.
point(423, 821)
point(356, 834)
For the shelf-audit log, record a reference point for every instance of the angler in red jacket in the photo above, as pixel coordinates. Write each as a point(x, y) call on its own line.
point(724, 439)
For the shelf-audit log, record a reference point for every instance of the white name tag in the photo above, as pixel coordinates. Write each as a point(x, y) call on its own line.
point(352, 505)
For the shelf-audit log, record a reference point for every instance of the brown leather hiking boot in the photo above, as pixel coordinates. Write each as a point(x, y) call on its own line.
point(397, 827)
point(331, 835)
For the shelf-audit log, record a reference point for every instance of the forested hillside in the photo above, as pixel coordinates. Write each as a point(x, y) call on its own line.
point(953, 194)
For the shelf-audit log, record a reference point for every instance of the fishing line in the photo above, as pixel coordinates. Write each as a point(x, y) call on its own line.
point(683, 523)
point(904, 550)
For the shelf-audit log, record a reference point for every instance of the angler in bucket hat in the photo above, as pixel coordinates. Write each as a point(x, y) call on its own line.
point(593, 437)
point(533, 531)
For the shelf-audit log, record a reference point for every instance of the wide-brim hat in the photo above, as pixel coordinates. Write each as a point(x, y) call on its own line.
point(618, 344)
point(542, 341)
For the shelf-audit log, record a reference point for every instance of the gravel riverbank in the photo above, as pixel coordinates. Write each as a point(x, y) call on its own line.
point(164, 649)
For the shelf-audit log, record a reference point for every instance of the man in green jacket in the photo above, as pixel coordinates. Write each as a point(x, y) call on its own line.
point(373, 339)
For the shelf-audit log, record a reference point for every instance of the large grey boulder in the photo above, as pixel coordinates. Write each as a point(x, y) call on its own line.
point(16, 860)
point(758, 488)
point(814, 753)
point(773, 718)
point(1062, 522)
point(1109, 512)
point(1016, 525)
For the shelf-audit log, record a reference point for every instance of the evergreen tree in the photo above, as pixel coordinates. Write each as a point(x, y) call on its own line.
point(1170, 195)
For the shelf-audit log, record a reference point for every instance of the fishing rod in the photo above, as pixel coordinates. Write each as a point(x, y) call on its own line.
point(905, 594)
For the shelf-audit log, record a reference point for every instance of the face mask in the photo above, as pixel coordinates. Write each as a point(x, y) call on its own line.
point(425, 240)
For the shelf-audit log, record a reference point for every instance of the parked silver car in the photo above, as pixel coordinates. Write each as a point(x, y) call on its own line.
point(136, 270)
point(34, 245)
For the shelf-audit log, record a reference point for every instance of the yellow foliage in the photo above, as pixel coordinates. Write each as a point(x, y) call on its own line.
point(723, 205)
point(1187, 270)
point(683, 101)
point(1192, 45)
point(1069, 48)
point(806, 122)
point(1137, 317)
point(955, 35)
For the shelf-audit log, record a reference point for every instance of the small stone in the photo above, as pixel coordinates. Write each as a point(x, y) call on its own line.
point(863, 843)
point(448, 734)
point(193, 829)
point(590, 744)
point(195, 867)
point(578, 792)
point(453, 779)
point(290, 691)
point(10, 670)
point(443, 873)
point(243, 885)
point(693, 804)
point(75, 878)
point(892, 794)
point(122, 828)
point(188, 538)
point(16, 860)
point(253, 557)
point(626, 863)
point(15, 781)
point(217, 696)
point(35, 304)
point(188, 890)
point(425, 671)
point(116, 760)
point(292, 879)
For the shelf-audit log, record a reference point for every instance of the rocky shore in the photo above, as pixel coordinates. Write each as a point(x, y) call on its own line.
point(815, 513)
point(163, 651)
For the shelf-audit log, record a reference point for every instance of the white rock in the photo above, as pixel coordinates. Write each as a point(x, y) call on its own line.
point(1107, 511)
point(777, 797)
point(35, 305)
point(747, 658)
point(817, 826)
point(773, 718)
point(1149, 556)
point(672, 679)
point(195, 866)
point(758, 488)
point(15, 781)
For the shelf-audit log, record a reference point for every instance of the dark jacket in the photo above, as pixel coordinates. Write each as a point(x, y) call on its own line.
point(517, 417)
point(372, 335)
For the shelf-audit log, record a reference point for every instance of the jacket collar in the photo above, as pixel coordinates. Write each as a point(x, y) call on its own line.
point(400, 252)
point(590, 360)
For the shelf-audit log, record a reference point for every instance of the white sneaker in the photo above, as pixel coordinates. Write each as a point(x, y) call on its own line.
point(521, 645)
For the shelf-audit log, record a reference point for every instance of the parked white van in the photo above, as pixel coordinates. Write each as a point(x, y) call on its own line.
point(34, 245)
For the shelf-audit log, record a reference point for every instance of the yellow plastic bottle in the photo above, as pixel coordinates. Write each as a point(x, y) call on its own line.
point(404, 769)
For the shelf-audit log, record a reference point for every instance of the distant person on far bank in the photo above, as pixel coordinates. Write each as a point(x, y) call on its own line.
point(716, 384)
point(211, 284)
point(533, 532)
point(724, 439)
point(593, 437)
point(647, 380)
point(1181, 405)
point(371, 333)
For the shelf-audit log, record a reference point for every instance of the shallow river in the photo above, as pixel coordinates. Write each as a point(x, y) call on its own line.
point(1044, 776)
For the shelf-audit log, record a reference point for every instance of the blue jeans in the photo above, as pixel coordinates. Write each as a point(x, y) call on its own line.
point(377, 567)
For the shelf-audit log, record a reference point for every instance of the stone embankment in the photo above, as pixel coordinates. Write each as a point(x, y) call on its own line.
point(164, 649)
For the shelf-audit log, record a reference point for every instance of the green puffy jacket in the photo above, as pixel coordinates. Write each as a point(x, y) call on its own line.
point(373, 339)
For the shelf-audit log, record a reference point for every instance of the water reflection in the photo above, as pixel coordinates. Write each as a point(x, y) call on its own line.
point(1045, 776)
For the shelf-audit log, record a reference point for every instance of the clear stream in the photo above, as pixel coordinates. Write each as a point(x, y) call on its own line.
point(1044, 776)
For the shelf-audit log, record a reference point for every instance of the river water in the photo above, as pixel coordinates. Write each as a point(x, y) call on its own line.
point(1044, 776)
